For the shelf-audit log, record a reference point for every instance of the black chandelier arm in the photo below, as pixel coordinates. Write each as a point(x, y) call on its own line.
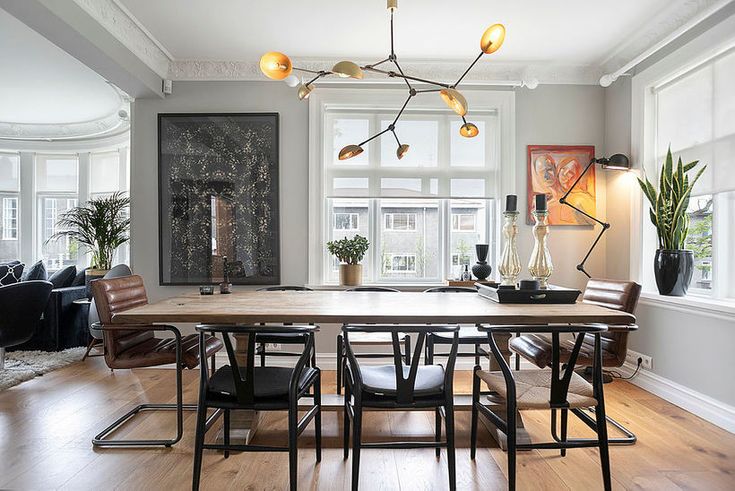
point(367, 67)
point(424, 91)
point(469, 68)
point(396, 137)
point(374, 137)
point(392, 51)
point(320, 75)
point(401, 111)
point(306, 70)
point(400, 70)
point(407, 77)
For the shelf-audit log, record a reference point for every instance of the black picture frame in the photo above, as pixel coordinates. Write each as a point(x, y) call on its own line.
point(232, 161)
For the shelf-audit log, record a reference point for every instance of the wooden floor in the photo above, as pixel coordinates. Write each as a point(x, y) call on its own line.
point(46, 426)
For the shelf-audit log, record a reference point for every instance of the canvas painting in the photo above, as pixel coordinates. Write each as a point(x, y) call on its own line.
point(553, 170)
point(218, 198)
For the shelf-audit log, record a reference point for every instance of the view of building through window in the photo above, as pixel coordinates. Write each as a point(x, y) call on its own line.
point(699, 240)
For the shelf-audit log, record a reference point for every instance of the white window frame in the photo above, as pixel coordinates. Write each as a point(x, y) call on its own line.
point(354, 224)
point(502, 102)
point(714, 42)
point(391, 217)
point(10, 223)
point(391, 257)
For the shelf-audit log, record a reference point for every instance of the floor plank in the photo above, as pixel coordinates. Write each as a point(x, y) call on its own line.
point(47, 424)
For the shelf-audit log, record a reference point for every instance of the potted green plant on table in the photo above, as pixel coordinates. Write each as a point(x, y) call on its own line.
point(349, 251)
point(101, 226)
point(673, 264)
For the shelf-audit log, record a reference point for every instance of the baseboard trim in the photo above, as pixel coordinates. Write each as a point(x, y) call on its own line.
point(704, 406)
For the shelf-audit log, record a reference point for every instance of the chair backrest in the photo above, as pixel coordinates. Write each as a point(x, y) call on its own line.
point(285, 288)
point(118, 271)
point(450, 289)
point(372, 289)
point(118, 295)
point(405, 386)
point(21, 306)
point(244, 377)
point(617, 295)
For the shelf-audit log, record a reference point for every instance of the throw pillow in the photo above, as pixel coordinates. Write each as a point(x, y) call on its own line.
point(35, 272)
point(63, 277)
point(10, 273)
point(80, 278)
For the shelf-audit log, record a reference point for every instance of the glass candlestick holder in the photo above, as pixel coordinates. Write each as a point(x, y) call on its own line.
point(540, 266)
point(510, 262)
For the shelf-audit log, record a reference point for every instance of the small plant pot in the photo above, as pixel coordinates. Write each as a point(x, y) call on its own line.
point(350, 274)
point(673, 270)
point(91, 275)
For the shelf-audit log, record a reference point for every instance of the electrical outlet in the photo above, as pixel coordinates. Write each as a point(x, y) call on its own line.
point(633, 356)
point(275, 346)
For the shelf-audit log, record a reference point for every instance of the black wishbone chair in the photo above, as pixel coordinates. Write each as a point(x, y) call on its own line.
point(556, 388)
point(398, 387)
point(259, 389)
point(284, 338)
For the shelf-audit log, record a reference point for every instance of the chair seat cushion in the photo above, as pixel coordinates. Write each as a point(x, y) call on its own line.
point(270, 382)
point(382, 379)
point(533, 388)
point(374, 338)
point(152, 351)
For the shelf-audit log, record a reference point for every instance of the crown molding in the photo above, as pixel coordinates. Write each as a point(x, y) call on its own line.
point(674, 16)
point(129, 31)
point(439, 70)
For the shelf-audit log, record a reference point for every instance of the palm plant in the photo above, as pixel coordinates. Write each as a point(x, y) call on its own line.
point(670, 201)
point(101, 226)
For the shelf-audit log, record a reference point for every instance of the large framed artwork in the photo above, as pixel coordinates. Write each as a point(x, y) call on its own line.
point(218, 197)
point(552, 170)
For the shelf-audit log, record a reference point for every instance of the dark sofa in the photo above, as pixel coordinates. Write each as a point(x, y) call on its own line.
point(63, 325)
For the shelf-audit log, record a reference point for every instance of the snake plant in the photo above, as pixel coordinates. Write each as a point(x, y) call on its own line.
point(670, 201)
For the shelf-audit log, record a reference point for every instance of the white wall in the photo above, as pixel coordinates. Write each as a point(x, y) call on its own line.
point(547, 115)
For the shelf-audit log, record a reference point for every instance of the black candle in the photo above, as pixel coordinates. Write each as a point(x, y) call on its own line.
point(511, 202)
point(540, 202)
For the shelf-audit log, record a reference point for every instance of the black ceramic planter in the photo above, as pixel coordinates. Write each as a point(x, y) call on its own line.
point(482, 269)
point(673, 270)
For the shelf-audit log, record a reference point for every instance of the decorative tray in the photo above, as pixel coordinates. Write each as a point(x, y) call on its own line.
point(509, 294)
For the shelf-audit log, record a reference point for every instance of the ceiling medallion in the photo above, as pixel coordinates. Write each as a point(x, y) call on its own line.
point(278, 66)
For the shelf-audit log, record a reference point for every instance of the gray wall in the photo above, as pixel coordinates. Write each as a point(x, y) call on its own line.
point(548, 115)
point(690, 348)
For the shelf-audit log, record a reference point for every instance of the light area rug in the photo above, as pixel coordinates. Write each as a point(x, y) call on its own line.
point(21, 366)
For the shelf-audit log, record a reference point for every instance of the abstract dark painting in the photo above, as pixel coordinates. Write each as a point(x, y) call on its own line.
point(218, 198)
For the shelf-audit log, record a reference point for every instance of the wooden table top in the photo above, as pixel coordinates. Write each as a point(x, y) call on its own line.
point(361, 307)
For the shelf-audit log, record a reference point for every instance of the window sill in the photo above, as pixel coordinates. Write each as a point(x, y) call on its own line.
point(724, 309)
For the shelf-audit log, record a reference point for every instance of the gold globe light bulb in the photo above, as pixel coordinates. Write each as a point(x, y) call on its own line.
point(347, 69)
point(304, 91)
point(492, 39)
point(275, 65)
point(469, 130)
point(454, 100)
point(401, 151)
point(350, 151)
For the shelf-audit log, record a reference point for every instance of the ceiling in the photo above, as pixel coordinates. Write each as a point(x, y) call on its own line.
point(44, 87)
point(572, 32)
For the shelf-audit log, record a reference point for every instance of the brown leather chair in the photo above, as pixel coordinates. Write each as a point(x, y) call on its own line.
point(613, 294)
point(136, 346)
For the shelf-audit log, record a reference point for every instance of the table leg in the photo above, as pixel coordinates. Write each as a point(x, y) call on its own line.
point(243, 423)
point(521, 434)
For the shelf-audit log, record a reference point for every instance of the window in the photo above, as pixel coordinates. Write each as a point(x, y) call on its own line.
point(400, 221)
point(399, 263)
point(346, 221)
point(693, 112)
point(57, 181)
point(9, 206)
point(463, 222)
point(104, 171)
point(10, 218)
point(423, 214)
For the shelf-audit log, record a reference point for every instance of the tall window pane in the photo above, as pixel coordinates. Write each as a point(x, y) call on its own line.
point(56, 187)
point(9, 207)
point(468, 219)
point(349, 217)
point(104, 173)
point(57, 173)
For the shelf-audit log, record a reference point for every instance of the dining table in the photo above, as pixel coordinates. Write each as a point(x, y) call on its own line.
point(340, 307)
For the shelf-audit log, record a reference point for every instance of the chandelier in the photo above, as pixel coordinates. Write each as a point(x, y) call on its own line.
point(278, 66)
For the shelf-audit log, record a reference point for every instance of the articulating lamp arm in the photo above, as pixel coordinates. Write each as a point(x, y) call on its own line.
point(605, 225)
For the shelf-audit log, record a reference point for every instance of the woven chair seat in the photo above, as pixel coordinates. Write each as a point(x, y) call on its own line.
point(533, 388)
